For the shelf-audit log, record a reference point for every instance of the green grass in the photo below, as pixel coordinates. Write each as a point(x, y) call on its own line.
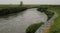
point(56, 26)
point(32, 28)
point(11, 10)
point(28, 6)
point(46, 11)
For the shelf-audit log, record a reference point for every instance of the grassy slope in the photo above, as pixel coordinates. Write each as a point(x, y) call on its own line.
point(32, 28)
point(56, 26)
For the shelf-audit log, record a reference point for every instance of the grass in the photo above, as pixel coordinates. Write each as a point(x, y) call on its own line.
point(56, 26)
point(11, 10)
point(46, 11)
point(28, 6)
point(32, 28)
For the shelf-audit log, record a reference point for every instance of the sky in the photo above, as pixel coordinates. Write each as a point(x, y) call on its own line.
point(30, 2)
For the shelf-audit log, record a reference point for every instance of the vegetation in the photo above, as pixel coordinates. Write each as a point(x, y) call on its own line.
point(56, 26)
point(42, 9)
point(32, 28)
point(46, 11)
point(10, 10)
point(28, 6)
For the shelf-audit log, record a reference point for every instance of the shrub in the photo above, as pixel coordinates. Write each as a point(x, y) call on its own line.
point(32, 28)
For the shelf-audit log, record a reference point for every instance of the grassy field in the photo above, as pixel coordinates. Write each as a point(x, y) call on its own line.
point(28, 6)
point(56, 26)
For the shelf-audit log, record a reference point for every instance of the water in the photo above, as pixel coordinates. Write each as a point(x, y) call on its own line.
point(20, 22)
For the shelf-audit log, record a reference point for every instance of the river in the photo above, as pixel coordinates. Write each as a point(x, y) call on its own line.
point(20, 22)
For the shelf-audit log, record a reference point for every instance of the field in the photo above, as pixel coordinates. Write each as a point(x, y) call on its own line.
point(28, 6)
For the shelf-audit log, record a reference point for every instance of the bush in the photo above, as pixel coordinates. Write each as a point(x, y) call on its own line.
point(10, 10)
point(32, 28)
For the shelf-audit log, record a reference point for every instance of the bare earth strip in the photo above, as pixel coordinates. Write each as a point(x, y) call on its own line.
point(48, 28)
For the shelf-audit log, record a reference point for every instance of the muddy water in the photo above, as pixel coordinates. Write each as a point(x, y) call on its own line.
point(19, 23)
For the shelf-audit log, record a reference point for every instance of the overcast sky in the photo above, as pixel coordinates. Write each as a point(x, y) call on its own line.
point(30, 1)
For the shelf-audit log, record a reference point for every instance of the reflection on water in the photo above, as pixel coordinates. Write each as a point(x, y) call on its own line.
point(19, 22)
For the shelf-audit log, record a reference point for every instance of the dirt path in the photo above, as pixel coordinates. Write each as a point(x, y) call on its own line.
point(48, 28)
